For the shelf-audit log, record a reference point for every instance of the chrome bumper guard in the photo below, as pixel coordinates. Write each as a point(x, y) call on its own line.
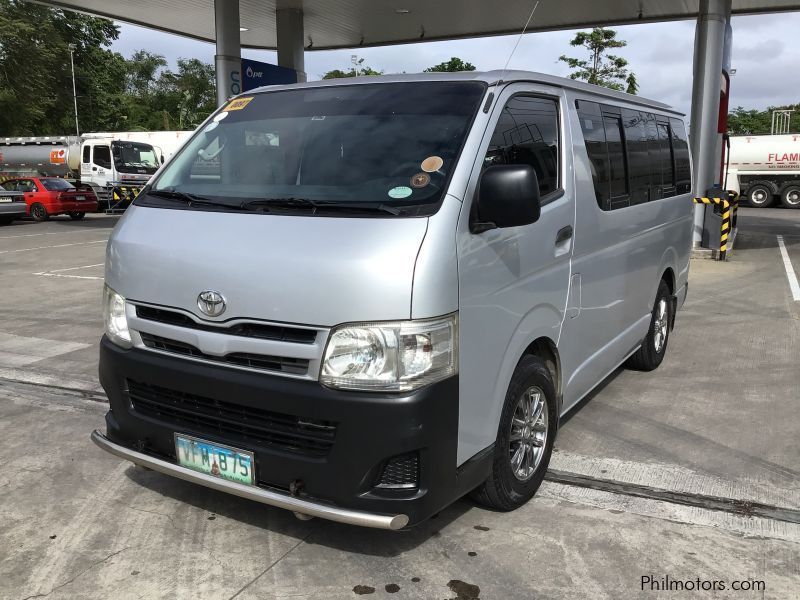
point(280, 500)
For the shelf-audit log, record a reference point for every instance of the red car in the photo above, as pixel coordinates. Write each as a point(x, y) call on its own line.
point(48, 196)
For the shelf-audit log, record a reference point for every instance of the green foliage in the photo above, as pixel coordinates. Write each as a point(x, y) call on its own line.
point(601, 68)
point(362, 71)
point(113, 93)
point(454, 65)
point(759, 122)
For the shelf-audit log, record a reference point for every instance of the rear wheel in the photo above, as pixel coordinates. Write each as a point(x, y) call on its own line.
point(525, 438)
point(759, 196)
point(39, 212)
point(77, 216)
point(654, 347)
point(790, 196)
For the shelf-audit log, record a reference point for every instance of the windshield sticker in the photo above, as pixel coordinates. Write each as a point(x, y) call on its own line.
point(239, 103)
point(220, 116)
point(432, 164)
point(400, 192)
point(420, 180)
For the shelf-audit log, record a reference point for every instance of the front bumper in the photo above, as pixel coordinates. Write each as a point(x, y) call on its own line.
point(371, 428)
point(265, 496)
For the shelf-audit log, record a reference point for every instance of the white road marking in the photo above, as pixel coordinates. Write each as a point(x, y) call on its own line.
point(55, 246)
point(23, 235)
point(794, 286)
point(58, 272)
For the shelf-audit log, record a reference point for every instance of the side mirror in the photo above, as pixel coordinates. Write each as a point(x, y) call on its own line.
point(508, 196)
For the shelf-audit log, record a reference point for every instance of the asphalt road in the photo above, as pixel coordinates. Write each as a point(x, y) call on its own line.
point(690, 472)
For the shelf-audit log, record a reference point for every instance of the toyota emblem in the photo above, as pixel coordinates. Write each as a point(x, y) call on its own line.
point(211, 303)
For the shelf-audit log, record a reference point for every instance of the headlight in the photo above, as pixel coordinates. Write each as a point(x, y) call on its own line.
point(115, 319)
point(398, 356)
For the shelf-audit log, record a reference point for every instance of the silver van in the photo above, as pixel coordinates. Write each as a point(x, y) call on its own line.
point(362, 300)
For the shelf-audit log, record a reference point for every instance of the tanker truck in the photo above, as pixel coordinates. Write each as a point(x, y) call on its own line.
point(765, 169)
point(115, 169)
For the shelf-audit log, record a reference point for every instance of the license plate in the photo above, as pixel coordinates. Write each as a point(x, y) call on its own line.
point(215, 459)
point(80, 197)
point(6, 199)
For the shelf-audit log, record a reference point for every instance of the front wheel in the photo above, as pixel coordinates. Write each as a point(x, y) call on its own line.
point(39, 212)
point(525, 437)
point(759, 196)
point(790, 196)
point(654, 347)
point(77, 216)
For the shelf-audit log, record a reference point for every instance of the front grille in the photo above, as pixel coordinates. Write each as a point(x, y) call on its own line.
point(240, 424)
point(281, 364)
point(400, 472)
point(278, 333)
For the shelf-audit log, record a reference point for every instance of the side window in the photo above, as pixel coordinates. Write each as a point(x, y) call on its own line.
point(527, 134)
point(680, 147)
point(595, 137)
point(102, 156)
point(86, 154)
point(666, 159)
point(638, 155)
point(618, 169)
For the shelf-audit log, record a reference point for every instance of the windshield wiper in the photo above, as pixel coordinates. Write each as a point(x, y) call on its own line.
point(316, 206)
point(189, 199)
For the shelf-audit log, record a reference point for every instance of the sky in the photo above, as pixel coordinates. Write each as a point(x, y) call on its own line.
point(765, 56)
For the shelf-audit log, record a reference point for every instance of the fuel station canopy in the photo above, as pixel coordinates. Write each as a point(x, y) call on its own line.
point(332, 24)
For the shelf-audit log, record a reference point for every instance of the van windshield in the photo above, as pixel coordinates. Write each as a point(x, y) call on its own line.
point(390, 144)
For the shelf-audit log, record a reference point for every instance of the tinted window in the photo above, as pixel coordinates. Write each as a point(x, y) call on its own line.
point(680, 147)
point(102, 156)
point(376, 144)
point(618, 180)
point(638, 155)
point(56, 185)
point(86, 156)
point(663, 161)
point(595, 137)
point(527, 134)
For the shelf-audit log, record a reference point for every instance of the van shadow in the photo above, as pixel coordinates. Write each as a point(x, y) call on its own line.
point(338, 536)
point(589, 397)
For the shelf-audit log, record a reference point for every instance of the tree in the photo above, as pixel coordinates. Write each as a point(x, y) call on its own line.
point(453, 65)
point(603, 69)
point(362, 71)
point(35, 74)
point(759, 122)
point(632, 84)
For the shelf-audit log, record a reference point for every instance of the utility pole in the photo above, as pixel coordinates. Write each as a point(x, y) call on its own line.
point(74, 89)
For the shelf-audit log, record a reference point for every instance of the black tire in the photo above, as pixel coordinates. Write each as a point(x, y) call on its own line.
point(759, 196)
point(654, 346)
point(77, 216)
point(39, 212)
point(790, 196)
point(503, 490)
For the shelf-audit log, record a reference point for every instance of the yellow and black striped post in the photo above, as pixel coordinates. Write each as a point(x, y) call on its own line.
point(725, 229)
point(733, 198)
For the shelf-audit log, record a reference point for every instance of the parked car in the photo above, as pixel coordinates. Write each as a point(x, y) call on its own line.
point(49, 196)
point(373, 298)
point(12, 206)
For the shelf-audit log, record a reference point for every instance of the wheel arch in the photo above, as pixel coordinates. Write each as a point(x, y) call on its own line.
point(547, 350)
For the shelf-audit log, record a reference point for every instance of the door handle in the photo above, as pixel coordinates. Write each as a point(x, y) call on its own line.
point(564, 234)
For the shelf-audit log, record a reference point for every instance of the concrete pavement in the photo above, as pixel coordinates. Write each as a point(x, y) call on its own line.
point(688, 472)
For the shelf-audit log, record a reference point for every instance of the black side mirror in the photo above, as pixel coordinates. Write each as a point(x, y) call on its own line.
point(508, 196)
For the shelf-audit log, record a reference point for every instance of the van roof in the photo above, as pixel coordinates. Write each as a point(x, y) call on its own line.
point(488, 77)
